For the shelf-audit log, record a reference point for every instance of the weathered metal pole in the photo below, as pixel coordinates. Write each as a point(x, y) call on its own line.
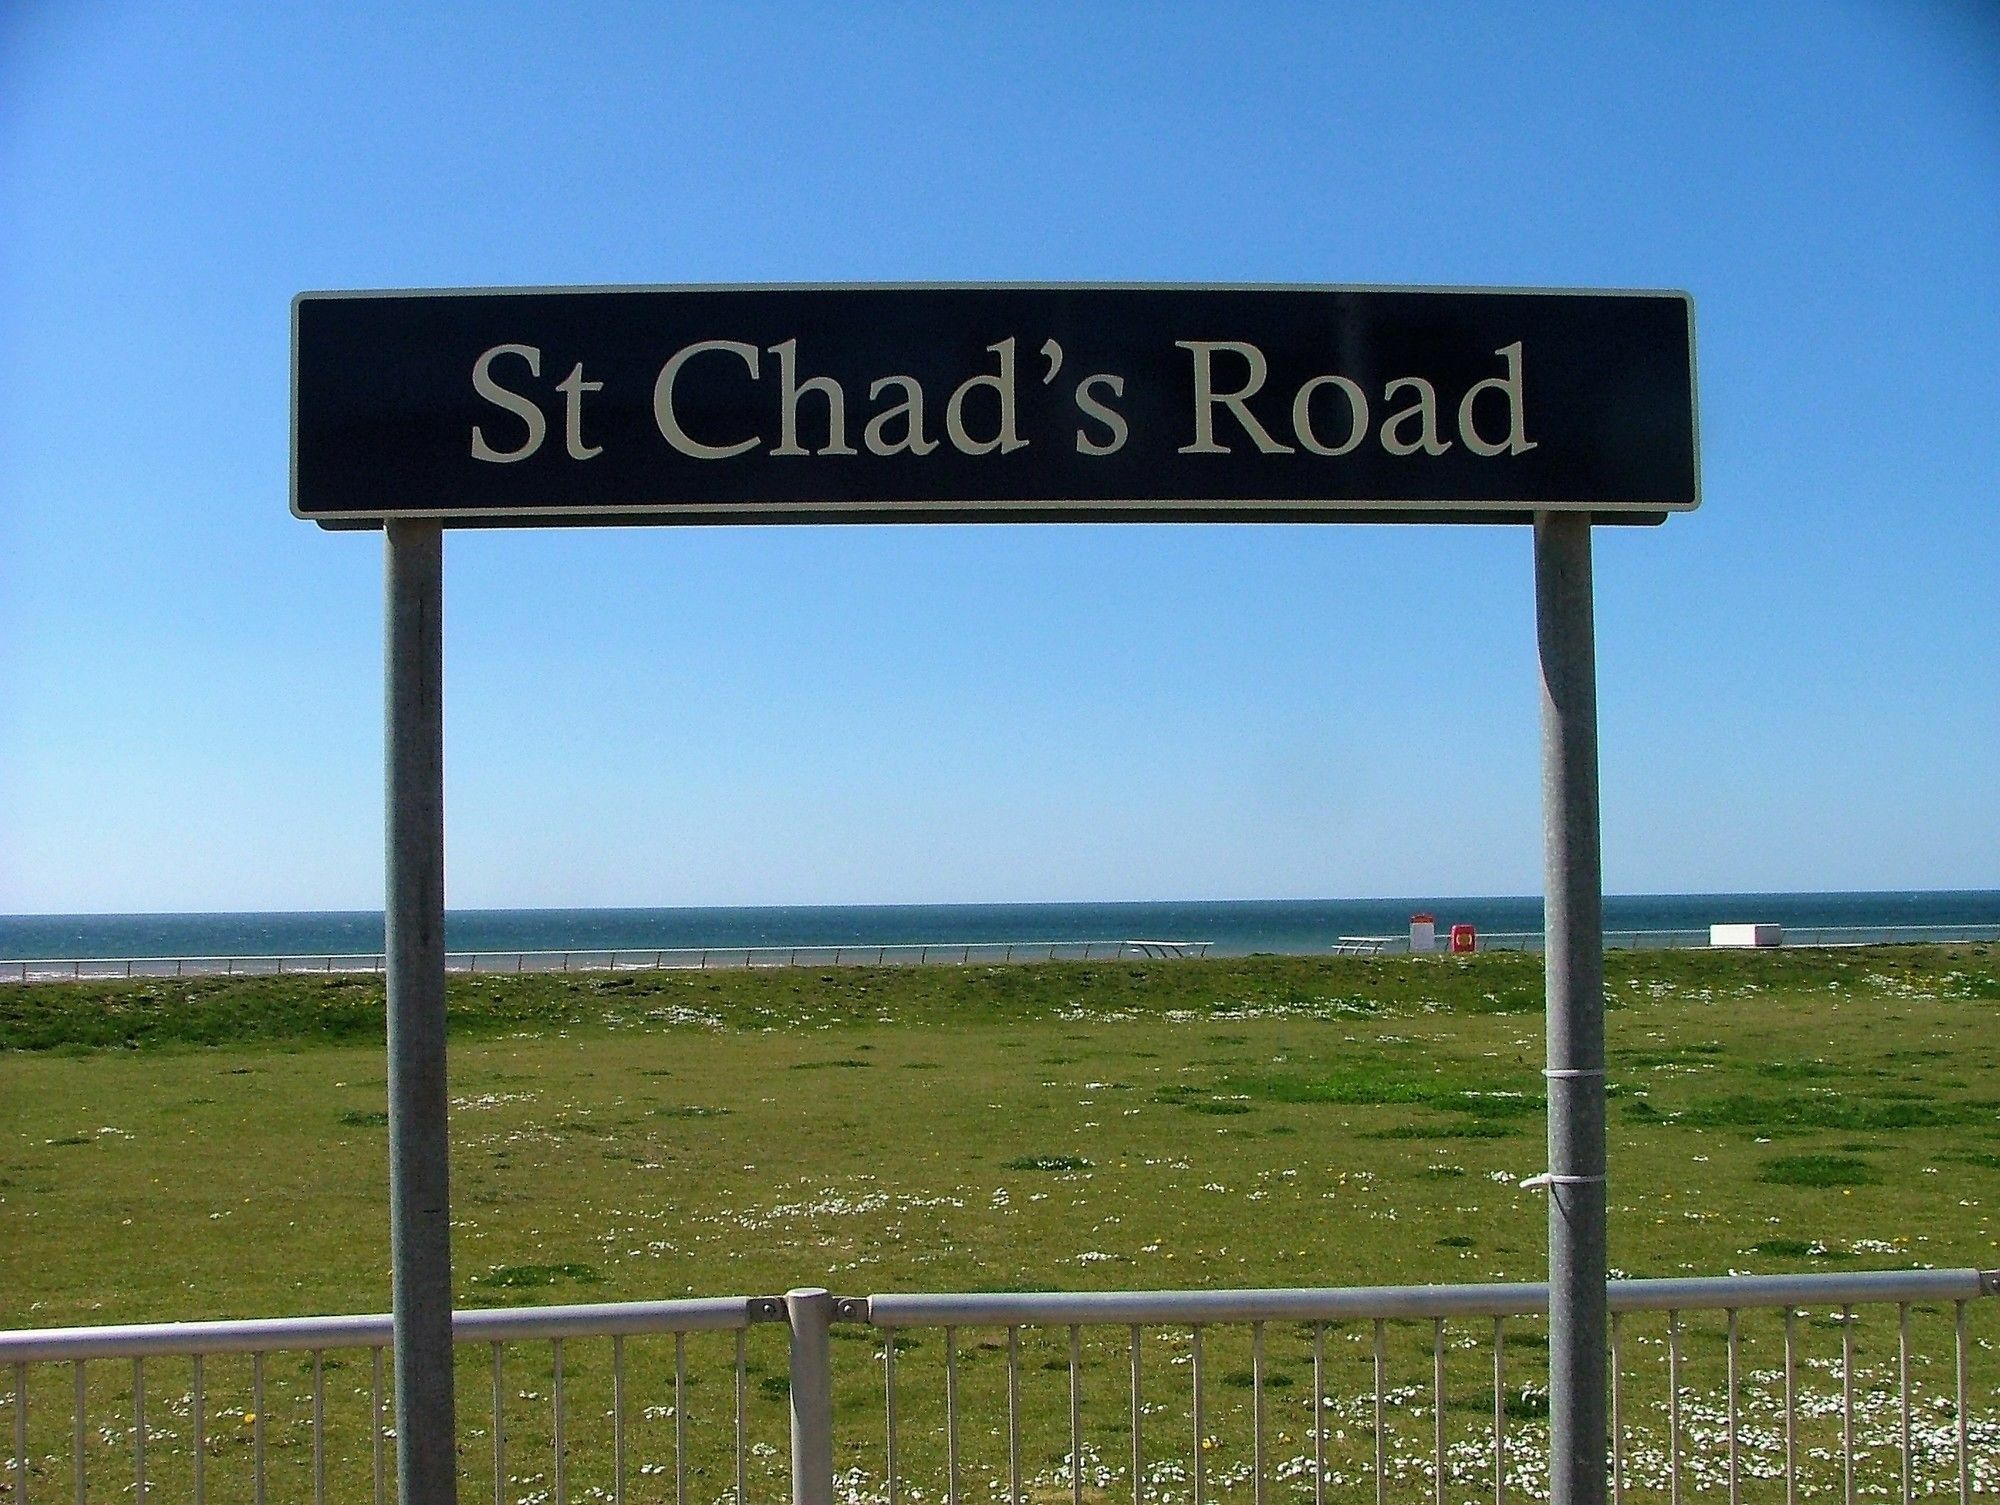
point(1573, 924)
point(413, 914)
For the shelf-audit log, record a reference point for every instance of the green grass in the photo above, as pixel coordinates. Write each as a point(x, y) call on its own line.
point(215, 1148)
point(1847, 1109)
point(588, 1102)
point(518, 1276)
point(1818, 1170)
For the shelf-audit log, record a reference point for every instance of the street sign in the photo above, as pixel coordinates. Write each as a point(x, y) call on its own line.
point(990, 403)
point(415, 410)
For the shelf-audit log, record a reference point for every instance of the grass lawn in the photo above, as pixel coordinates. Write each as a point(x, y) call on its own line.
point(217, 1147)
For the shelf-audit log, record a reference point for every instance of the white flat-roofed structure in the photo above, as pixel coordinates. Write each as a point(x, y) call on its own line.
point(1746, 935)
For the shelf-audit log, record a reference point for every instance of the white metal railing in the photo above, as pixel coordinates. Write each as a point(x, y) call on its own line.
point(607, 959)
point(318, 1337)
point(1975, 1461)
point(1804, 1422)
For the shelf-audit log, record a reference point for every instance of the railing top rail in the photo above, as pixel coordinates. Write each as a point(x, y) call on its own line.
point(1000, 1309)
point(230, 956)
point(1192, 1308)
point(1834, 1288)
point(1333, 1304)
point(273, 1334)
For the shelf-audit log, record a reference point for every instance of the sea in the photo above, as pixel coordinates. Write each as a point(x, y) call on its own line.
point(1230, 927)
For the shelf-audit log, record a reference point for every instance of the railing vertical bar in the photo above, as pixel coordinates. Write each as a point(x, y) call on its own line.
point(1014, 1415)
point(951, 1413)
point(319, 1427)
point(562, 1462)
point(1735, 1452)
point(139, 1430)
point(1075, 1415)
point(1847, 1402)
point(20, 1432)
point(618, 1418)
point(1319, 1413)
point(77, 1441)
point(1964, 1395)
point(1138, 1404)
point(1791, 1407)
point(1903, 1376)
point(1381, 1418)
point(257, 1427)
point(742, 1420)
point(499, 1430)
point(1194, 1363)
point(889, 1411)
point(1499, 1412)
point(1257, 1413)
point(1617, 1409)
point(198, 1405)
point(375, 1410)
point(680, 1418)
point(1674, 1406)
point(1438, 1405)
point(809, 1366)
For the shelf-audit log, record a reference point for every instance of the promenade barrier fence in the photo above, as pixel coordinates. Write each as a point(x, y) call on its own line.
point(930, 953)
point(1875, 1384)
point(1794, 936)
point(622, 959)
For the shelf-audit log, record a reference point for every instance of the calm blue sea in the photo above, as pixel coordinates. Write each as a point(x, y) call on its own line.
point(1236, 926)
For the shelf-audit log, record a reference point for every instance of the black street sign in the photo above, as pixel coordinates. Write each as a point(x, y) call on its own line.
point(990, 403)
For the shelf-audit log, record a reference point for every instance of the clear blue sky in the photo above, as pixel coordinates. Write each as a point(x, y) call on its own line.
point(1800, 682)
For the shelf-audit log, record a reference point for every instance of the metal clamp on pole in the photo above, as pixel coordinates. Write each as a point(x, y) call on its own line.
point(1550, 1178)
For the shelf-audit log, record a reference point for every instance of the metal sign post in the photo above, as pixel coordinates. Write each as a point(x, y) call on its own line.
point(1573, 928)
point(419, 1150)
